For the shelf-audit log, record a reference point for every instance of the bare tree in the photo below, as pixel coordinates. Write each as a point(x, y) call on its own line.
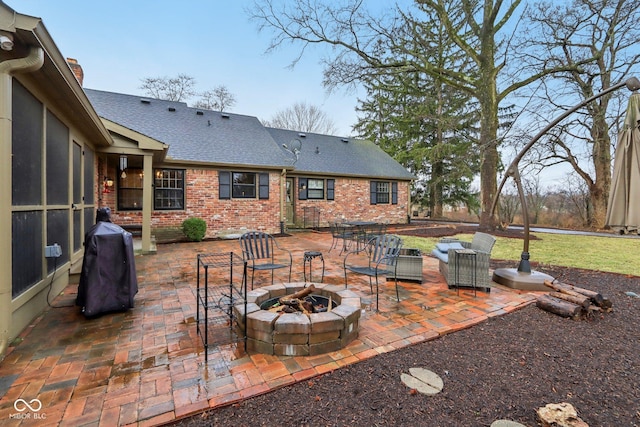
point(535, 196)
point(304, 118)
point(508, 206)
point(360, 42)
point(182, 88)
point(179, 88)
point(607, 30)
point(218, 99)
point(576, 195)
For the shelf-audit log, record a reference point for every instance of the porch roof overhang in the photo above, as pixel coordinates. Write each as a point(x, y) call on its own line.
point(54, 79)
point(127, 141)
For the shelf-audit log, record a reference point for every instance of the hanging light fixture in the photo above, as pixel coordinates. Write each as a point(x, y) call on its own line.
point(123, 166)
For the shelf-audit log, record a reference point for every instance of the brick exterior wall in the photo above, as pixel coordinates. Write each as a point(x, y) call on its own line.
point(352, 201)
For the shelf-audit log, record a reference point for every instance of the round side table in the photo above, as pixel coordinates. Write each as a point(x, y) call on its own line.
point(308, 258)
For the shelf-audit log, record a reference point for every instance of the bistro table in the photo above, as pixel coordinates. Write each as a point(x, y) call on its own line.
point(362, 230)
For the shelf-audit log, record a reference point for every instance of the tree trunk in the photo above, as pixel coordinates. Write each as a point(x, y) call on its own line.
point(601, 154)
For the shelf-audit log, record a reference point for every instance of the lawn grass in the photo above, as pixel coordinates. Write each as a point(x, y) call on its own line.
point(609, 254)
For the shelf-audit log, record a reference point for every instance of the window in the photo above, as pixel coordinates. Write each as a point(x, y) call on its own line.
point(130, 190)
point(243, 185)
point(314, 188)
point(168, 191)
point(384, 192)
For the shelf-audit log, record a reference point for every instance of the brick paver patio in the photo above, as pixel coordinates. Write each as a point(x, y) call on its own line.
point(146, 366)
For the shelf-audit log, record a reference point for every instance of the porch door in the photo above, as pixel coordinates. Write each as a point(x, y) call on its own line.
point(289, 204)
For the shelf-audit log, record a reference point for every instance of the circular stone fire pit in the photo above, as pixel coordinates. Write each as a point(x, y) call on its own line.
point(298, 334)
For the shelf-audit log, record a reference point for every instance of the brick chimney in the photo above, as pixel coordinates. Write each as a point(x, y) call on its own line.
point(77, 69)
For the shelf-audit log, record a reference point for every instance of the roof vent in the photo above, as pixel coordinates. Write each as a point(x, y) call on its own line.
point(145, 101)
point(302, 135)
point(345, 140)
point(171, 109)
point(200, 113)
point(225, 115)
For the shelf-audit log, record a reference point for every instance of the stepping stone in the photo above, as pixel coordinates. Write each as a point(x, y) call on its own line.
point(506, 423)
point(423, 380)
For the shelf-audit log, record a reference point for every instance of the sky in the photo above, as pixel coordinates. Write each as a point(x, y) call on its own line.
point(120, 42)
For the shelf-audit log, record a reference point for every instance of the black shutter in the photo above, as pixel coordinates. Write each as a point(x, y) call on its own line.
point(373, 194)
point(331, 183)
point(302, 185)
point(394, 193)
point(263, 180)
point(224, 184)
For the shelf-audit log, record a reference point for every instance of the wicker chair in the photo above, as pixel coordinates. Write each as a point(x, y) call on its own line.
point(482, 244)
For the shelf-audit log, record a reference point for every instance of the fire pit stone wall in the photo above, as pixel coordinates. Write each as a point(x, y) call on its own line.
point(298, 334)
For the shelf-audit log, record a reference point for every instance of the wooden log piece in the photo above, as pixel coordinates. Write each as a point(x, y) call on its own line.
point(560, 307)
point(581, 300)
point(560, 287)
point(596, 297)
point(298, 295)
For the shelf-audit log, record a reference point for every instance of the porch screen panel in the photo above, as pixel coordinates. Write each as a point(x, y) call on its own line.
point(89, 191)
point(26, 147)
point(58, 232)
point(77, 173)
point(77, 230)
point(89, 219)
point(27, 251)
point(57, 167)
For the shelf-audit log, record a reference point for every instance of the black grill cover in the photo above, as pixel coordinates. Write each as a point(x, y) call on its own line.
point(108, 280)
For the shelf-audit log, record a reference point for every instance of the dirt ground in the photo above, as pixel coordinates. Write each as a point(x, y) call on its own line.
point(504, 368)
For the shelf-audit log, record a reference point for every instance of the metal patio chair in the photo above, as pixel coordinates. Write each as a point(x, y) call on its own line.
point(340, 233)
point(259, 250)
point(382, 258)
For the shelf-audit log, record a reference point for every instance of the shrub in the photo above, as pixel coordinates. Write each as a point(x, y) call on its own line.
point(194, 229)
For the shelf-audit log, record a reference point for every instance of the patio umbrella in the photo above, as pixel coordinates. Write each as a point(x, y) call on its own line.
point(623, 211)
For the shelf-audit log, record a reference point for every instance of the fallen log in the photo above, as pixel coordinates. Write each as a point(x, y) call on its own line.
point(558, 306)
point(597, 298)
point(580, 300)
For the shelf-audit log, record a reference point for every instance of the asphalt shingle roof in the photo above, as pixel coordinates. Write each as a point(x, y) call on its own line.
point(340, 156)
point(192, 134)
point(205, 136)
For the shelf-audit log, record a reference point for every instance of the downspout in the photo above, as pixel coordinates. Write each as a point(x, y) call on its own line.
point(32, 62)
point(283, 194)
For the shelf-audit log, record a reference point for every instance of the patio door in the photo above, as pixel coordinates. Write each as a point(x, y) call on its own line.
point(289, 204)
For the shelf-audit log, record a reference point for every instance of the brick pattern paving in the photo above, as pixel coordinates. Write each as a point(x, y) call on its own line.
point(146, 366)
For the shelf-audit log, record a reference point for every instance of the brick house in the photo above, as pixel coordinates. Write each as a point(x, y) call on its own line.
point(66, 151)
point(235, 173)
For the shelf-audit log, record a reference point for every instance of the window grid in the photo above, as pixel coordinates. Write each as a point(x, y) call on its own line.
point(169, 189)
point(382, 192)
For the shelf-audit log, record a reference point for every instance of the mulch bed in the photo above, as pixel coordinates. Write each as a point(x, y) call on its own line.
point(504, 368)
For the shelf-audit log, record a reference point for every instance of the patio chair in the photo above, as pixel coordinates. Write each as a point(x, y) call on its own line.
point(464, 270)
point(259, 250)
point(381, 256)
point(340, 233)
